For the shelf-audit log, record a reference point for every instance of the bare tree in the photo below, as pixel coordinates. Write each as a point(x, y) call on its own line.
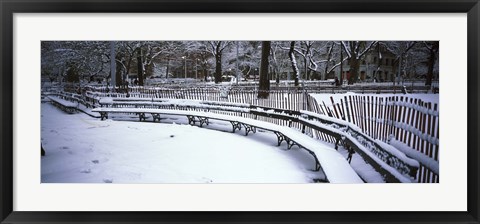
point(275, 63)
point(330, 58)
point(140, 66)
point(216, 48)
point(306, 50)
point(83, 59)
point(291, 55)
point(400, 49)
point(433, 50)
point(355, 51)
point(264, 83)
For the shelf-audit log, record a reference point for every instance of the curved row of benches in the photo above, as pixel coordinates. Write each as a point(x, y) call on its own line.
point(335, 167)
point(391, 163)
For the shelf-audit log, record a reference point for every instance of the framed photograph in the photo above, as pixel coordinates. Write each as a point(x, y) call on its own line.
point(239, 112)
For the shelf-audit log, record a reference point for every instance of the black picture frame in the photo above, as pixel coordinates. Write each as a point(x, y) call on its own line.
point(9, 7)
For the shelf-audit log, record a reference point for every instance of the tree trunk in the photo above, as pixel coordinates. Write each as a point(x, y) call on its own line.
point(168, 68)
point(218, 67)
point(205, 73)
point(276, 73)
point(291, 54)
point(118, 71)
point(277, 77)
point(399, 69)
point(113, 64)
point(354, 66)
point(431, 63)
point(329, 57)
point(72, 74)
point(305, 76)
point(264, 84)
point(341, 65)
point(129, 64)
point(140, 67)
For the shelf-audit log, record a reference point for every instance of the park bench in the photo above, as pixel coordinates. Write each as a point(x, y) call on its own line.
point(335, 167)
point(386, 159)
point(380, 155)
point(65, 105)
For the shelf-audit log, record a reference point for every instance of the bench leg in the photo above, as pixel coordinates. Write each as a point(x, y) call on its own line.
point(291, 143)
point(156, 117)
point(280, 138)
point(103, 115)
point(203, 120)
point(249, 128)
point(141, 116)
point(236, 125)
point(191, 119)
point(317, 163)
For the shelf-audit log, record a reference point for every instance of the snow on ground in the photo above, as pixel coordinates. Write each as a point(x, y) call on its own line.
point(82, 149)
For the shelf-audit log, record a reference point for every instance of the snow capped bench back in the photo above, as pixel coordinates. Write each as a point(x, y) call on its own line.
point(383, 156)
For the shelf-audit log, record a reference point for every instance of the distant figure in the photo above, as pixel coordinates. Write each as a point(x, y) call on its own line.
point(135, 82)
point(337, 82)
point(404, 90)
point(43, 151)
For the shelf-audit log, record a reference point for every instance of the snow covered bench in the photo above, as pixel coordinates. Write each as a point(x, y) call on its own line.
point(288, 115)
point(131, 101)
point(201, 117)
point(385, 158)
point(335, 167)
point(175, 104)
point(193, 116)
point(65, 105)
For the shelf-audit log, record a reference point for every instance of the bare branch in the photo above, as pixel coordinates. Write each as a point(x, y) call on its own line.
point(346, 49)
point(366, 49)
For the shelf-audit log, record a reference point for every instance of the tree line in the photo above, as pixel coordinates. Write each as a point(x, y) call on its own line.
point(266, 60)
